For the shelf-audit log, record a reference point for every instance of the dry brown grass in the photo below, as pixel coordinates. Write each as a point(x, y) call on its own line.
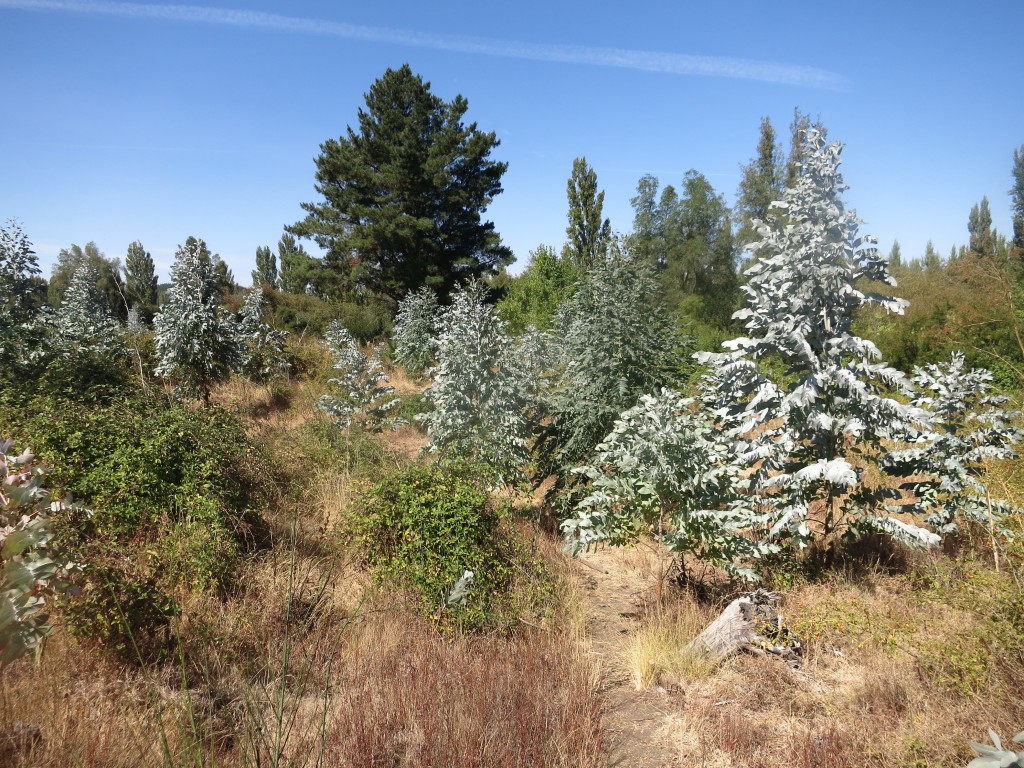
point(307, 663)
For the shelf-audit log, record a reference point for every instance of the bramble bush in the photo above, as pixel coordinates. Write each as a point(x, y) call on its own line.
point(176, 493)
point(423, 528)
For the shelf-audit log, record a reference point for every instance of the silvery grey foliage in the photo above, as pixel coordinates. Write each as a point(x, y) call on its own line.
point(415, 330)
point(969, 427)
point(28, 571)
point(83, 323)
point(804, 397)
point(996, 756)
point(481, 389)
point(19, 267)
point(196, 337)
point(664, 469)
point(261, 346)
point(615, 343)
point(365, 396)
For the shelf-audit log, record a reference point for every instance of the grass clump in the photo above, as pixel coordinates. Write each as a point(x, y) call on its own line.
point(422, 529)
point(656, 650)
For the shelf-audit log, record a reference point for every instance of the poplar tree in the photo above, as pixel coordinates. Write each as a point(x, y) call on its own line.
point(982, 240)
point(762, 183)
point(266, 268)
point(588, 234)
point(297, 268)
point(140, 279)
point(895, 256)
point(1017, 198)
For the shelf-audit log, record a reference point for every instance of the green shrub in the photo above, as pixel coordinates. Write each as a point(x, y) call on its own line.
point(175, 493)
point(422, 530)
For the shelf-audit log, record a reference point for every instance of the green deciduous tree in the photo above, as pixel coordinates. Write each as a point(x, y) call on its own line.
point(140, 280)
point(298, 268)
point(266, 268)
point(689, 238)
point(588, 234)
point(534, 296)
point(1017, 198)
point(762, 182)
point(404, 194)
point(895, 256)
point(982, 238)
point(107, 270)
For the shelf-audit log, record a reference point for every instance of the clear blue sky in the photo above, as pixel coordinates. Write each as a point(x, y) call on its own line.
point(125, 121)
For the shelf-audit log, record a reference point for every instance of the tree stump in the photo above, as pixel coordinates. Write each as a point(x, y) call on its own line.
point(749, 623)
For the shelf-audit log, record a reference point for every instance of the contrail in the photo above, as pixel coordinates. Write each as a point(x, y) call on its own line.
point(647, 61)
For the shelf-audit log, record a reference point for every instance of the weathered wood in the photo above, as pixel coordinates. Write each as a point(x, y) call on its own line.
point(749, 623)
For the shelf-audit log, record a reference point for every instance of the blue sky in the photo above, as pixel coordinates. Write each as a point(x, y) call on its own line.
point(125, 121)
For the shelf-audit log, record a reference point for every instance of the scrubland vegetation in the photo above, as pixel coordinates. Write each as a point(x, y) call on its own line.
point(330, 521)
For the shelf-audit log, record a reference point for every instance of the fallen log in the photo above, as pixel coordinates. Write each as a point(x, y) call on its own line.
point(749, 623)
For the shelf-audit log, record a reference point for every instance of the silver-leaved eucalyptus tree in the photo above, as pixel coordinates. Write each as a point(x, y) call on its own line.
point(481, 391)
point(364, 396)
point(664, 471)
point(807, 401)
point(415, 330)
point(30, 571)
point(196, 337)
point(19, 280)
point(615, 342)
point(261, 346)
point(83, 324)
point(970, 427)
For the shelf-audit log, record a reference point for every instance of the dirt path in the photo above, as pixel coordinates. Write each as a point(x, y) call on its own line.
point(640, 724)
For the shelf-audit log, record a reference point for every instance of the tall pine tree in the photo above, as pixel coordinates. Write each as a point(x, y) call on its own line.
point(404, 194)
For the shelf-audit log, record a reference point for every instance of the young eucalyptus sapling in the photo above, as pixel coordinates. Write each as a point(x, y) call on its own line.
point(365, 397)
point(970, 426)
point(83, 324)
point(415, 329)
point(615, 343)
point(664, 471)
point(481, 389)
point(196, 337)
point(30, 571)
point(806, 436)
point(262, 347)
point(19, 273)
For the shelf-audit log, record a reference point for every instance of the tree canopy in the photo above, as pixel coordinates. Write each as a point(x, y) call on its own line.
point(404, 193)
